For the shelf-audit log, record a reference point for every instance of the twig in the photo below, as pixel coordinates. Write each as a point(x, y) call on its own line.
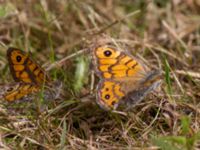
point(61, 62)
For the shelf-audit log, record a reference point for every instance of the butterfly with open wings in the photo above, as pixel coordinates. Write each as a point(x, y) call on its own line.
point(123, 79)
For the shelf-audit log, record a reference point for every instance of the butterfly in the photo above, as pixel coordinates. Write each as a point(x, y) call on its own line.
point(29, 77)
point(123, 79)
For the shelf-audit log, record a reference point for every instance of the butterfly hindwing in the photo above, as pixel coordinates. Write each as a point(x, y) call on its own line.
point(17, 91)
point(108, 94)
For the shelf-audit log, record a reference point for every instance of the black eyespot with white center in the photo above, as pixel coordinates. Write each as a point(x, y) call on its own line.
point(10, 89)
point(107, 96)
point(18, 58)
point(107, 53)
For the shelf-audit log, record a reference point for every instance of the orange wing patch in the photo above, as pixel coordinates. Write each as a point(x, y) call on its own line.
point(24, 69)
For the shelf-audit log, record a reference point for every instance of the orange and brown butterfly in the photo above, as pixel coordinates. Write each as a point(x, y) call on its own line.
point(28, 75)
point(123, 79)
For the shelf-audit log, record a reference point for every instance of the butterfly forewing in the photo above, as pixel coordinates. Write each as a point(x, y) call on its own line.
point(116, 64)
point(24, 69)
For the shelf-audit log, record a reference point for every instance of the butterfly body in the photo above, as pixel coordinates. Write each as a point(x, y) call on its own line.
point(123, 79)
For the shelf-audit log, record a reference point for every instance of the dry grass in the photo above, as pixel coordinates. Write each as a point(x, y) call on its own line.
point(163, 33)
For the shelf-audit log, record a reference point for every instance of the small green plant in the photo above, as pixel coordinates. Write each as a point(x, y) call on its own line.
point(80, 72)
point(184, 141)
point(167, 76)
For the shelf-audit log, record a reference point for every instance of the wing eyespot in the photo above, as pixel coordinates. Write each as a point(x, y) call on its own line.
point(107, 53)
point(107, 96)
point(10, 89)
point(107, 89)
point(18, 58)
